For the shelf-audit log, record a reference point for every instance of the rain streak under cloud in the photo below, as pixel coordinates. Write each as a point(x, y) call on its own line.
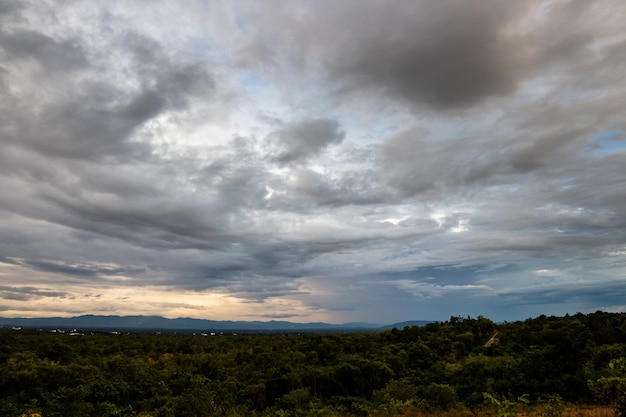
point(329, 161)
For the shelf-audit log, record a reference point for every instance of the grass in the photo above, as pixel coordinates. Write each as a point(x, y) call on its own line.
point(528, 411)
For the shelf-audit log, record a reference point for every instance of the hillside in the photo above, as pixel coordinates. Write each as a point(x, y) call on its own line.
point(438, 367)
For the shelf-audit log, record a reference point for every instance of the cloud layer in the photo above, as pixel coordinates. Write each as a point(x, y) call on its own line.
point(313, 160)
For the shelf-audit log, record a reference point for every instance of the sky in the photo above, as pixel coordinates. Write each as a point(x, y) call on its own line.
point(336, 161)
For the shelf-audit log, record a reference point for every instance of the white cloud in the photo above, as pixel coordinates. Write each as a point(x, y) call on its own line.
point(550, 273)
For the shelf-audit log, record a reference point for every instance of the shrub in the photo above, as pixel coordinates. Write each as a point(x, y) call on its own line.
point(440, 397)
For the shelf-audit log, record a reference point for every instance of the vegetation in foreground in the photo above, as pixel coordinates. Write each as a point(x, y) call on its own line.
point(570, 366)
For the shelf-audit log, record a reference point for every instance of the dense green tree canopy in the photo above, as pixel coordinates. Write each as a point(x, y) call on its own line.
point(435, 367)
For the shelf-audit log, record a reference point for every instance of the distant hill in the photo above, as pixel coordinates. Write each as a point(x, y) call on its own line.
point(95, 322)
point(409, 323)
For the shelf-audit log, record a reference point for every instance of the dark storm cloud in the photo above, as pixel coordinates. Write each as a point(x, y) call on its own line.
point(305, 139)
point(444, 54)
point(448, 54)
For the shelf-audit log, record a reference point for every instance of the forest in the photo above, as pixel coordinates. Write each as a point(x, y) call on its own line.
point(462, 366)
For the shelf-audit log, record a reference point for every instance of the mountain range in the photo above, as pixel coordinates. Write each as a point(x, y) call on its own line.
point(94, 322)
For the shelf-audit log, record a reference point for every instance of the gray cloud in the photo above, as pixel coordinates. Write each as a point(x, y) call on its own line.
point(51, 54)
point(444, 54)
point(78, 269)
point(81, 114)
point(305, 139)
point(351, 187)
point(27, 293)
point(587, 294)
point(9, 7)
point(343, 161)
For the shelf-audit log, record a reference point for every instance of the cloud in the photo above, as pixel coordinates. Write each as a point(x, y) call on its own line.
point(585, 294)
point(27, 293)
point(444, 54)
point(89, 108)
point(67, 268)
point(52, 55)
point(428, 290)
point(332, 161)
point(305, 139)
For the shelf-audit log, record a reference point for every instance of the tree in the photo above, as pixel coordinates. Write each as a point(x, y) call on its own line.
point(612, 389)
